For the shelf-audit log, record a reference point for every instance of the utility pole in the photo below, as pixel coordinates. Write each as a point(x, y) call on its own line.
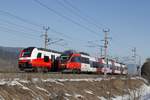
point(46, 39)
point(101, 51)
point(106, 38)
point(135, 60)
point(92, 44)
point(139, 68)
point(134, 55)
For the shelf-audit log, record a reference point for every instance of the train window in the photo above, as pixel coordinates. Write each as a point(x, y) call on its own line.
point(27, 52)
point(101, 65)
point(64, 57)
point(85, 60)
point(95, 64)
point(53, 58)
point(76, 59)
point(118, 68)
point(39, 55)
point(110, 66)
point(46, 59)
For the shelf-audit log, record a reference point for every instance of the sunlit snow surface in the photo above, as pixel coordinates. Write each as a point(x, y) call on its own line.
point(143, 92)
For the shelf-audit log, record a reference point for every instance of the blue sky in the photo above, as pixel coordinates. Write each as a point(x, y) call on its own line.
point(128, 21)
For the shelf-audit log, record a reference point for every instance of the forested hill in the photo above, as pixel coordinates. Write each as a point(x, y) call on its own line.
point(8, 58)
point(145, 70)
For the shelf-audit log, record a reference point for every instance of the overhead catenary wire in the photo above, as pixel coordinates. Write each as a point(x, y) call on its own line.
point(60, 33)
point(18, 32)
point(31, 23)
point(76, 11)
point(20, 18)
point(72, 11)
point(33, 30)
point(67, 36)
point(21, 26)
point(85, 16)
point(12, 37)
point(65, 17)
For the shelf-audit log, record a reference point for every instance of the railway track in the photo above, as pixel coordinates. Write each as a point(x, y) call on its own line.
point(55, 75)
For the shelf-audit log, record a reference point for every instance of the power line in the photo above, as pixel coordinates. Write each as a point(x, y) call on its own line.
point(106, 42)
point(53, 42)
point(66, 36)
point(16, 31)
point(134, 54)
point(60, 33)
point(13, 38)
point(46, 39)
point(11, 23)
point(86, 17)
point(23, 20)
point(95, 45)
point(29, 22)
point(65, 17)
point(76, 13)
point(19, 18)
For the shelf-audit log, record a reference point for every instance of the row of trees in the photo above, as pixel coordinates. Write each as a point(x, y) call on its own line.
point(8, 58)
point(145, 70)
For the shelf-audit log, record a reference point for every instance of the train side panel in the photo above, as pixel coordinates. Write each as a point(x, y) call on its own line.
point(34, 58)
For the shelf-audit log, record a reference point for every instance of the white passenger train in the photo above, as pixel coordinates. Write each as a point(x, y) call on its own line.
point(36, 59)
point(85, 63)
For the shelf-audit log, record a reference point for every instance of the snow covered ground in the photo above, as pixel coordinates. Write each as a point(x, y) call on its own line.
point(143, 93)
point(71, 88)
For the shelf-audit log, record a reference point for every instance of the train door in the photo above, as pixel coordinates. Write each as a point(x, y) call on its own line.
point(85, 64)
point(52, 58)
point(74, 63)
point(110, 67)
point(53, 68)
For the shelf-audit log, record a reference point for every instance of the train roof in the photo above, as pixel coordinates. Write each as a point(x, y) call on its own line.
point(69, 51)
point(49, 50)
point(74, 51)
point(84, 53)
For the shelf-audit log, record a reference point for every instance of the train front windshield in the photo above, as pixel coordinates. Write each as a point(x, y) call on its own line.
point(27, 52)
point(64, 58)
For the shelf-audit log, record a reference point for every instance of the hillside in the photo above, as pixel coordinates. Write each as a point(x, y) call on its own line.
point(145, 70)
point(71, 87)
point(8, 58)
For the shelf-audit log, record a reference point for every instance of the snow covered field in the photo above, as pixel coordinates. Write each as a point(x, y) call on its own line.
point(98, 88)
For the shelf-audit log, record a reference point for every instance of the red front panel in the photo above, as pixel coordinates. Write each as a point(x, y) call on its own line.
point(24, 61)
point(21, 52)
point(73, 65)
point(39, 62)
point(113, 67)
point(36, 63)
point(99, 70)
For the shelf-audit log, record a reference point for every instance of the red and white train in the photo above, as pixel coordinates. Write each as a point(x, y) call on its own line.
point(82, 62)
point(38, 59)
point(70, 60)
